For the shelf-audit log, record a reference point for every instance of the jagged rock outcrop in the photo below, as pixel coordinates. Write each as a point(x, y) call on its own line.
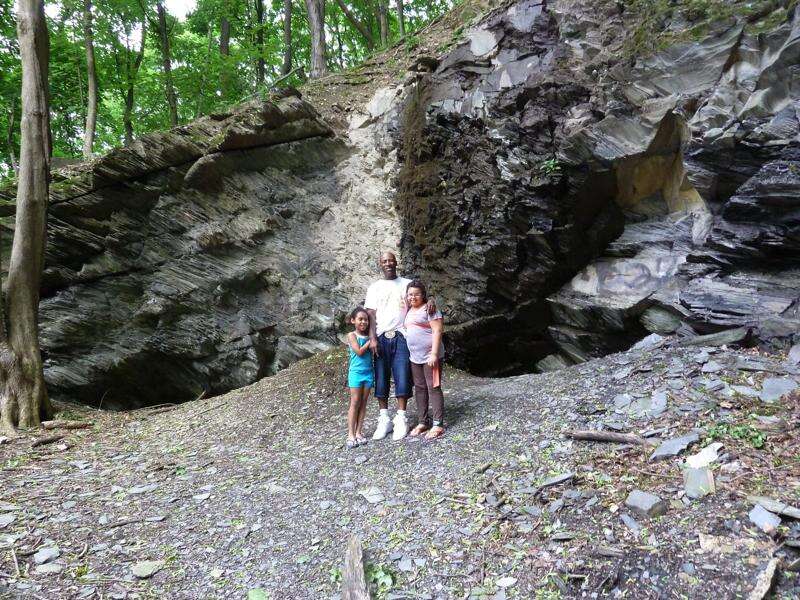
point(541, 142)
point(198, 260)
point(562, 196)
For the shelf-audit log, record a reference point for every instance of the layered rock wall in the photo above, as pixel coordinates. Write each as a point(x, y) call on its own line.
point(562, 197)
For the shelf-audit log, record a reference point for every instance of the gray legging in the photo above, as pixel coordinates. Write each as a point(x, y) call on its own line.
point(424, 390)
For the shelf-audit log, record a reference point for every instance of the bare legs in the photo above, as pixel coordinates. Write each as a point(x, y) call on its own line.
point(357, 412)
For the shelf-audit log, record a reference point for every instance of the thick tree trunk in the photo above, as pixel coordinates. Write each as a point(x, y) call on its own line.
point(260, 64)
point(383, 21)
point(286, 67)
point(10, 136)
point(91, 76)
point(316, 25)
point(401, 18)
point(362, 29)
point(166, 61)
point(23, 396)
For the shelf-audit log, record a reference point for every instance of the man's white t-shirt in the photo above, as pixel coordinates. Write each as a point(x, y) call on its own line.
point(388, 298)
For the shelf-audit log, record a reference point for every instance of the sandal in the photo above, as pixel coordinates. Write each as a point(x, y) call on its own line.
point(351, 443)
point(362, 441)
point(435, 433)
point(418, 430)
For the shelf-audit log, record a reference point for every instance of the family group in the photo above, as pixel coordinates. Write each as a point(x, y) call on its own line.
point(397, 336)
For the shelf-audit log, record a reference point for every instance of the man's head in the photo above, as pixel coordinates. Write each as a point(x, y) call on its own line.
point(388, 264)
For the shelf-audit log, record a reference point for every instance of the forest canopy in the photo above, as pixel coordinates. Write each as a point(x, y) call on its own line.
point(153, 69)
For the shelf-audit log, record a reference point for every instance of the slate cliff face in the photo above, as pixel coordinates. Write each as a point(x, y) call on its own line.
point(636, 196)
point(562, 199)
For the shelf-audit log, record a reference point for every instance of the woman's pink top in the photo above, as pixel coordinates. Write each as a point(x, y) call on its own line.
point(419, 336)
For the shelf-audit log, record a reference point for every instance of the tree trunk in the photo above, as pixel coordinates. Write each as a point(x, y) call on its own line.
point(23, 395)
point(316, 25)
point(362, 29)
point(401, 18)
point(10, 136)
point(339, 48)
point(91, 76)
point(383, 21)
point(133, 71)
point(260, 64)
point(166, 61)
point(225, 37)
point(286, 67)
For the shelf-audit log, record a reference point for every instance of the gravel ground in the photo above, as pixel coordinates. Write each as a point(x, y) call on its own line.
point(253, 492)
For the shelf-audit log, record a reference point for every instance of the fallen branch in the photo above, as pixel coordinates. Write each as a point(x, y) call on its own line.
point(123, 523)
point(605, 436)
point(47, 440)
point(354, 582)
point(58, 424)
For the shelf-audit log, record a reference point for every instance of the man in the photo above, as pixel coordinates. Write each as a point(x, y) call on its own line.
point(386, 305)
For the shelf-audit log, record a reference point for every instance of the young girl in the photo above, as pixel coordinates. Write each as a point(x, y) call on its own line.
point(424, 338)
point(360, 378)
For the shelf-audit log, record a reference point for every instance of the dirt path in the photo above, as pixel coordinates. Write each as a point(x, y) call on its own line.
point(253, 491)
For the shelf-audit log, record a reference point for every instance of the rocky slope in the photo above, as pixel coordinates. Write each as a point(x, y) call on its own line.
point(563, 193)
point(253, 491)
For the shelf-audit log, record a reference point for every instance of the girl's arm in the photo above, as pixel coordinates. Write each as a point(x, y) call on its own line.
point(437, 328)
point(360, 350)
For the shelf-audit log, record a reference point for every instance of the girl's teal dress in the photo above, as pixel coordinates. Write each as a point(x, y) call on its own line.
point(360, 372)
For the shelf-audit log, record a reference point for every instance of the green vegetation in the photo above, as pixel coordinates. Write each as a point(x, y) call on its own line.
point(651, 20)
point(744, 432)
point(207, 75)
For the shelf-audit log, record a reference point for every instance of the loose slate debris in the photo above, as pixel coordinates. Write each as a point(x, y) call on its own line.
point(774, 387)
point(673, 447)
point(373, 495)
point(46, 555)
point(646, 504)
point(147, 568)
point(764, 520)
point(765, 581)
point(698, 482)
point(776, 506)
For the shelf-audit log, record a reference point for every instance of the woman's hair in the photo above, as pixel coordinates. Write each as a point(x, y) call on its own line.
point(417, 283)
point(356, 310)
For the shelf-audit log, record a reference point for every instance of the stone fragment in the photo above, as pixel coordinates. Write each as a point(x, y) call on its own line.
point(646, 504)
point(506, 582)
point(630, 522)
point(698, 482)
point(147, 568)
point(46, 555)
point(793, 358)
point(776, 506)
point(712, 366)
point(765, 581)
point(674, 446)
point(705, 457)
point(763, 519)
point(6, 520)
point(373, 495)
point(142, 489)
point(745, 390)
point(774, 387)
point(49, 569)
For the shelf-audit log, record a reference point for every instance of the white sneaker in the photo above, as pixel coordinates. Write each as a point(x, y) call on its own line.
point(400, 427)
point(384, 427)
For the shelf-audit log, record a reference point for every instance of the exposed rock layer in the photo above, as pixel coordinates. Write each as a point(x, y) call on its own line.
point(562, 198)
